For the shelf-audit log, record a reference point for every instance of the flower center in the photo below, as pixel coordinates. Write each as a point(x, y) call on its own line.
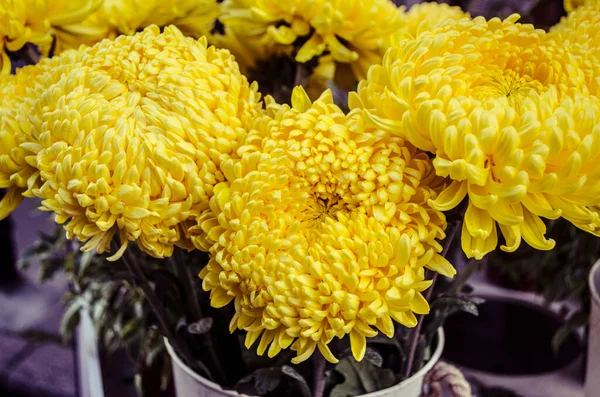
point(508, 85)
point(319, 208)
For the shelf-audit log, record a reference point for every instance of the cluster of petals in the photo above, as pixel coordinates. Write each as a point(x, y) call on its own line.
point(115, 17)
point(423, 17)
point(36, 22)
point(579, 34)
point(126, 137)
point(354, 32)
point(18, 175)
point(570, 5)
point(509, 118)
point(323, 229)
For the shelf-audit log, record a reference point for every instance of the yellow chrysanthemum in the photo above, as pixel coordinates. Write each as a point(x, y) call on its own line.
point(16, 173)
point(579, 27)
point(356, 32)
point(579, 34)
point(510, 121)
point(425, 16)
point(570, 5)
point(322, 230)
point(35, 21)
point(128, 136)
point(193, 17)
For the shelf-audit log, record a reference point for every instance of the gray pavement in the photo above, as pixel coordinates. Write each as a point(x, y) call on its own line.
point(33, 361)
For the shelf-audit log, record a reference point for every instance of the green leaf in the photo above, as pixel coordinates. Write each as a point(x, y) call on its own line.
point(292, 373)
point(155, 348)
point(576, 320)
point(134, 347)
point(70, 319)
point(384, 340)
point(361, 378)
point(48, 268)
point(464, 304)
point(200, 327)
point(260, 382)
point(131, 327)
point(84, 262)
point(166, 374)
point(373, 356)
point(68, 262)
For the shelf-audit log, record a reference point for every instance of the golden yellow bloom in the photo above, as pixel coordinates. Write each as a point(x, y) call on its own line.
point(356, 32)
point(579, 27)
point(509, 119)
point(128, 136)
point(35, 21)
point(425, 16)
point(570, 5)
point(16, 173)
point(193, 17)
point(322, 230)
point(579, 34)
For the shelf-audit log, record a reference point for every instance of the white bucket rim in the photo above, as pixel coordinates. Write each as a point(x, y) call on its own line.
point(435, 357)
point(594, 281)
point(212, 385)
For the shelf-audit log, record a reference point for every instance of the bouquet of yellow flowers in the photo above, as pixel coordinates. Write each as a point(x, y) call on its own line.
point(316, 219)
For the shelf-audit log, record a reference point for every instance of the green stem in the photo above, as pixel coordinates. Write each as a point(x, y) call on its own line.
point(301, 75)
point(464, 275)
point(413, 337)
point(318, 374)
point(160, 313)
point(196, 311)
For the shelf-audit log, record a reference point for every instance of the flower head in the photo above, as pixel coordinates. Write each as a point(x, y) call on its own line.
point(18, 173)
point(35, 21)
point(423, 17)
point(323, 229)
point(509, 119)
point(128, 136)
point(579, 33)
point(193, 17)
point(570, 5)
point(355, 32)
point(579, 27)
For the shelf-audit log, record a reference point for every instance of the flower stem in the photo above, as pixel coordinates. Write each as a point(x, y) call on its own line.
point(318, 374)
point(415, 333)
point(160, 313)
point(472, 266)
point(301, 75)
point(188, 287)
point(196, 311)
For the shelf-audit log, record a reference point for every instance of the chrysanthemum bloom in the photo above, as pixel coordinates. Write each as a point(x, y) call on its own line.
point(355, 32)
point(35, 21)
point(128, 136)
point(425, 16)
point(193, 17)
point(323, 230)
point(579, 26)
point(509, 120)
point(17, 174)
point(579, 34)
point(570, 5)
point(14, 170)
